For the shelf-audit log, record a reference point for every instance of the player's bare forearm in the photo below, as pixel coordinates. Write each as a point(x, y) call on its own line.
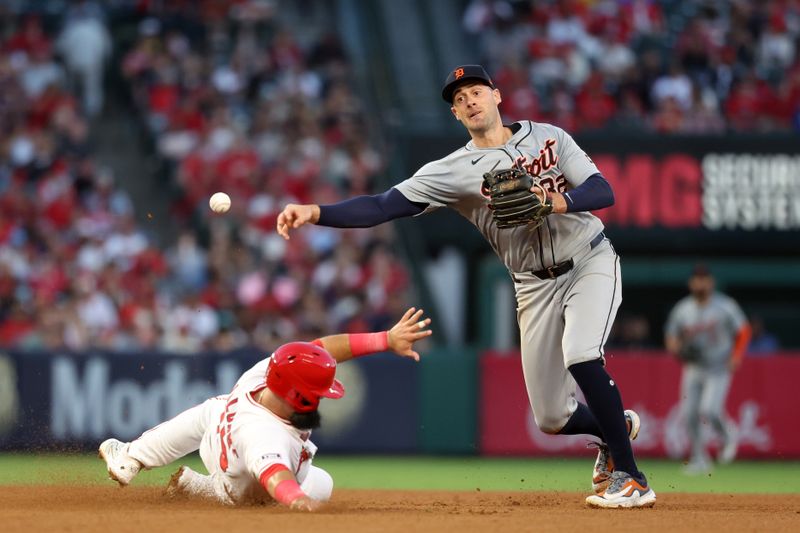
point(412, 327)
point(338, 346)
point(559, 202)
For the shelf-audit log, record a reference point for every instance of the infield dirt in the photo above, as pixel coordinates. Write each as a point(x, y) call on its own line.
point(89, 509)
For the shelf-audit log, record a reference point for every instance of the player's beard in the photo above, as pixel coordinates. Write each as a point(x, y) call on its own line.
point(484, 124)
point(305, 420)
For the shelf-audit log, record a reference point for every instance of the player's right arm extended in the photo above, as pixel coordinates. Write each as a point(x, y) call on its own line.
point(281, 484)
point(359, 212)
point(400, 339)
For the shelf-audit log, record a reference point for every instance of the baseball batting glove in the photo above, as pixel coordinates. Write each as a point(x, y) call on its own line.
point(512, 201)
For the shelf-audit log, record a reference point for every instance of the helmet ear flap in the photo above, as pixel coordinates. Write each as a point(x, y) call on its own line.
point(300, 403)
point(306, 404)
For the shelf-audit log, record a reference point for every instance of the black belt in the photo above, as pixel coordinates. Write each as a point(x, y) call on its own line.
point(552, 272)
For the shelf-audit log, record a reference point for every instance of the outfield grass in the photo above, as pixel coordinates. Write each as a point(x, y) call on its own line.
point(440, 473)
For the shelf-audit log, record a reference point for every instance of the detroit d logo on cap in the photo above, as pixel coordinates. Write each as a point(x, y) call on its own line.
point(458, 72)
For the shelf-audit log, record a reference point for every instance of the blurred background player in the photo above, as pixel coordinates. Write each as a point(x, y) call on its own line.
point(255, 441)
point(709, 333)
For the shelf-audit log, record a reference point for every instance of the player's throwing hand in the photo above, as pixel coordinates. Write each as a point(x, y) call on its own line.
point(293, 216)
point(409, 329)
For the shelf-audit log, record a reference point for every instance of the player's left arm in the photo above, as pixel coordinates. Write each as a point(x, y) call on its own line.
point(267, 456)
point(591, 190)
point(412, 327)
point(281, 484)
point(743, 334)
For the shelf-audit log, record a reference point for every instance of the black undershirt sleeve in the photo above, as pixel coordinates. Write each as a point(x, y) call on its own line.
point(367, 211)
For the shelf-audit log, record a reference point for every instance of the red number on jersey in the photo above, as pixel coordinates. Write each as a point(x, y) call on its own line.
point(224, 432)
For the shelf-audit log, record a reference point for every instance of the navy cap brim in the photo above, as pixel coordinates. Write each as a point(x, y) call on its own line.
point(450, 89)
point(464, 74)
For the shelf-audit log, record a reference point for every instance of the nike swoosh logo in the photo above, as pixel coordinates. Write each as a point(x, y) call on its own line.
point(474, 161)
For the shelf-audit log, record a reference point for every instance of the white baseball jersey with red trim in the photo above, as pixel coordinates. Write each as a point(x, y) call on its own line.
point(247, 438)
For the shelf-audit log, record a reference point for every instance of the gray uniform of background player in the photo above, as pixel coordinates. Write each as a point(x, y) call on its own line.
point(562, 321)
point(711, 328)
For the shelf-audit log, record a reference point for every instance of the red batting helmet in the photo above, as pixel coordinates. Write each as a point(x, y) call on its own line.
point(301, 373)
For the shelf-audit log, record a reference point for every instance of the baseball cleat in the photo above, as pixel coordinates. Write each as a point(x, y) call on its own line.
point(624, 491)
point(697, 467)
point(176, 484)
point(122, 468)
point(604, 465)
point(187, 482)
point(728, 452)
point(633, 422)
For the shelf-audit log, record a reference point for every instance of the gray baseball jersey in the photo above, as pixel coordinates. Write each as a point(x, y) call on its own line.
point(456, 180)
point(553, 336)
point(711, 328)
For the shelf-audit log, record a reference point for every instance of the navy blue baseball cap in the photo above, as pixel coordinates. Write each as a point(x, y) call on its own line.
point(464, 73)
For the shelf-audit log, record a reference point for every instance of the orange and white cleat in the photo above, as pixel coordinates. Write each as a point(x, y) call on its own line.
point(624, 491)
point(604, 465)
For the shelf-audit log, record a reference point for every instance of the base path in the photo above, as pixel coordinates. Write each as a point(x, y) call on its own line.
point(104, 509)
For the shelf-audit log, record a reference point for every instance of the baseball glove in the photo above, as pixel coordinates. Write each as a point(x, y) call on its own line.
point(512, 202)
point(690, 353)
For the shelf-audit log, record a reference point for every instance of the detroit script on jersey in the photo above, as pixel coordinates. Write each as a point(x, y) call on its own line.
point(550, 154)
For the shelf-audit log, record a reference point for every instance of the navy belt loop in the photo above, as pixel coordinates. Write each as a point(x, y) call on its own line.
point(597, 240)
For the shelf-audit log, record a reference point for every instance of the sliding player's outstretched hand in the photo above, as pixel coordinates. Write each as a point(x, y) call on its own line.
point(411, 328)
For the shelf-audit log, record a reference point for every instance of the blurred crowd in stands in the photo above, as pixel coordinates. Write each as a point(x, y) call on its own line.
point(670, 66)
point(233, 102)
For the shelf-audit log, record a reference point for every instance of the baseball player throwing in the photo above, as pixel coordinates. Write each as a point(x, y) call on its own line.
point(529, 190)
point(254, 442)
point(709, 333)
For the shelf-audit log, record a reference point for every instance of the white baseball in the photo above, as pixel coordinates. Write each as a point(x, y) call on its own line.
point(219, 202)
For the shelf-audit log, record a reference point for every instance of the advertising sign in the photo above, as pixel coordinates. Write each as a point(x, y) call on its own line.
point(73, 401)
point(759, 404)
